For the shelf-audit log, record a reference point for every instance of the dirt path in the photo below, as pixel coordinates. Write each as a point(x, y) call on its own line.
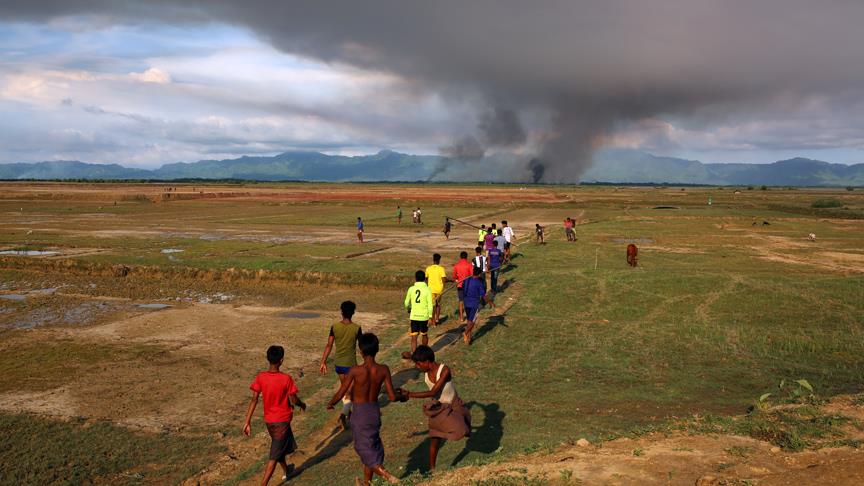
point(682, 459)
point(328, 441)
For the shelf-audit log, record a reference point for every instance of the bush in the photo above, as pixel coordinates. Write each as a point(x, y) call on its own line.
point(826, 203)
point(850, 188)
point(763, 188)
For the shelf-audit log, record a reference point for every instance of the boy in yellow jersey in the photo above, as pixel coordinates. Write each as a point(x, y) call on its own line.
point(418, 301)
point(344, 335)
point(435, 277)
point(481, 234)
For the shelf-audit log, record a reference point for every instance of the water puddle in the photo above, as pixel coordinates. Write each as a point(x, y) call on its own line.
point(172, 250)
point(27, 252)
point(14, 297)
point(153, 306)
point(299, 315)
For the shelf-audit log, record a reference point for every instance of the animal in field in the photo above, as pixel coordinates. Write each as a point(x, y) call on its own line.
point(811, 237)
point(632, 251)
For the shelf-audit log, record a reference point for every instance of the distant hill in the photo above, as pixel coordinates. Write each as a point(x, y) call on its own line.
point(611, 165)
point(634, 166)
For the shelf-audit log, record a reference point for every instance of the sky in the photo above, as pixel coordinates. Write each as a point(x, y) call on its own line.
point(519, 84)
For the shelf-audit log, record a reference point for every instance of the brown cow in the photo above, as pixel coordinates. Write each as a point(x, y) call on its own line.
point(631, 254)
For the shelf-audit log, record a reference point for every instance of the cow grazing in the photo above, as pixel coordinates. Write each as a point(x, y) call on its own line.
point(631, 254)
point(811, 237)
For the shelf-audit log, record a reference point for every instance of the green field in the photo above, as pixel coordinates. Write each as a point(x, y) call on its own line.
point(720, 308)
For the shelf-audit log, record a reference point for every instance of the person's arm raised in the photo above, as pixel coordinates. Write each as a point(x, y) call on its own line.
point(436, 389)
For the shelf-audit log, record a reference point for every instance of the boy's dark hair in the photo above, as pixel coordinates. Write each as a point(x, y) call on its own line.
point(493, 226)
point(478, 250)
point(463, 254)
point(275, 354)
point(477, 271)
point(488, 231)
point(436, 258)
point(500, 232)
point(358, 217)
point(482, 226)
point(348, 309)
point(419, 276)
point(495, 243)
point(368, 344)
point(423, 353)
point(504, 222)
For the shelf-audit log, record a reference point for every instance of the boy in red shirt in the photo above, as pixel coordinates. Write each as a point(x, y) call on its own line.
point(280, 398)
point(462, 270)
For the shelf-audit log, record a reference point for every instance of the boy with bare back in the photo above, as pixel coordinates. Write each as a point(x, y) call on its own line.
point(366, 380)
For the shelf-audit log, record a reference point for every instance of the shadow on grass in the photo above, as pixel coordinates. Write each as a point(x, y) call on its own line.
point(327, 448)
point(491, 323)
point(484, 439)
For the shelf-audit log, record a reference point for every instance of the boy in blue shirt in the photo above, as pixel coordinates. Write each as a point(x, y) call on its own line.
point(474, 289)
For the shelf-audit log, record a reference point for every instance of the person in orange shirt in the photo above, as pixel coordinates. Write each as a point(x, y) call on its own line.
point(462, 270)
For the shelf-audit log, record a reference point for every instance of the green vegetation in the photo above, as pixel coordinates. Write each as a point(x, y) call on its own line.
point(827, 203)
point(82, 452)
point(716, 314)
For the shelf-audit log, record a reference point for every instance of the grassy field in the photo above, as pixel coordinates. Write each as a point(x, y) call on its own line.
point(721, 308)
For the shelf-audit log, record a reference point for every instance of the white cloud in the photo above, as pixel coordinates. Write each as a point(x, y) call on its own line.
point(152, 75)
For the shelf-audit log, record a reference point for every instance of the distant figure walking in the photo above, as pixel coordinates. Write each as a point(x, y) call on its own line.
point(538, 231)
point(360, 229)
point(631, 254)
point(419, 216)
point(447, 227)
point(398, 215)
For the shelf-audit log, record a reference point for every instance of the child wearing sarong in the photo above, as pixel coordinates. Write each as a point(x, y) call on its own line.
point(449, 418)
point(280, 397)
point(366, 380)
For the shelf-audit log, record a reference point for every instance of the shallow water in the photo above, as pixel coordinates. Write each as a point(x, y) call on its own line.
point(171, 250)
point(153, 306)
point(15, 297)
point(27, 252)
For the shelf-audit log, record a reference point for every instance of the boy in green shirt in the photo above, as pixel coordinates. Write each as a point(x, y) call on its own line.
point(418, 301)
point(344, 335)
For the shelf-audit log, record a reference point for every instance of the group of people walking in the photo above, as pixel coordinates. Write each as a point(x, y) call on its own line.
point(361, 384)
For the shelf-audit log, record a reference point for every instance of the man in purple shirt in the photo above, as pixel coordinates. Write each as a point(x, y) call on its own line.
point(495, 258)
point(488, 239)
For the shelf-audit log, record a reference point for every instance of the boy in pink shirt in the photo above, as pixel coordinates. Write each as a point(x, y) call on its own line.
point(280, 397)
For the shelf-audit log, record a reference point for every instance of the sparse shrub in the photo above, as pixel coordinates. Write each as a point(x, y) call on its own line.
point(749, 188)
point(763, 188)
point(826, 203)
point(850, 188)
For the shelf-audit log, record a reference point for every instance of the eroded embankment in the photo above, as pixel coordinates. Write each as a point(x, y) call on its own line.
point(80, 268)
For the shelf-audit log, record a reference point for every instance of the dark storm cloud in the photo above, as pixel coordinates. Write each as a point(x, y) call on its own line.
point(588, 64)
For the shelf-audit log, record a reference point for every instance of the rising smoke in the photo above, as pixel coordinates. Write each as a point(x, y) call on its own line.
point(585, 65)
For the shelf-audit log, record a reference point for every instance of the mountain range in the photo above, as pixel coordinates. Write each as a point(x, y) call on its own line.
point(611, 165)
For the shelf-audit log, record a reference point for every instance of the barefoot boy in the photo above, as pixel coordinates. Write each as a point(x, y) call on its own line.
point(367, 379)
point(280, 398)
point(435, 277)
point(344, 336)
point(418, 301)
point(449, 418)
point(475, 294)
point(462, 270)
